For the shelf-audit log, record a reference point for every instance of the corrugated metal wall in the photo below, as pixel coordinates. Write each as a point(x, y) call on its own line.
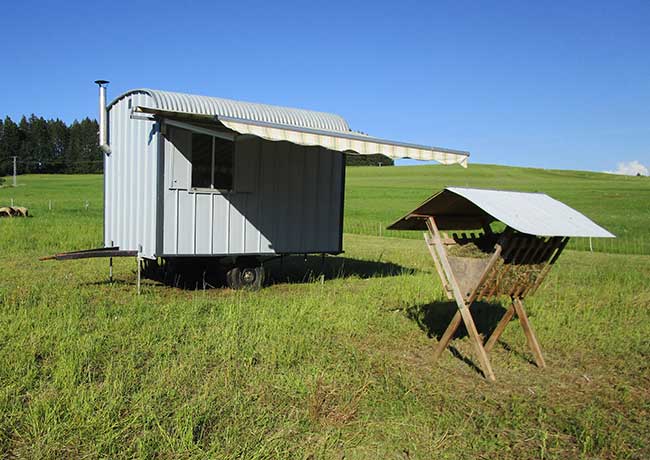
point(287, 199)
point(130, 179)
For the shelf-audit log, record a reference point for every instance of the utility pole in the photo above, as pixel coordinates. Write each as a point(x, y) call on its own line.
point(14, 170)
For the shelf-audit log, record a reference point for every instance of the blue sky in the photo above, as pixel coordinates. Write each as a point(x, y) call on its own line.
point(544, 84)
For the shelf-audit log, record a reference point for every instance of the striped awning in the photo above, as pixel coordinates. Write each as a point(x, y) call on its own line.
point(346, 142)
point(349, 142)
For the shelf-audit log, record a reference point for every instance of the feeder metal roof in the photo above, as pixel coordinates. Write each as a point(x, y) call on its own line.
point(457, 208)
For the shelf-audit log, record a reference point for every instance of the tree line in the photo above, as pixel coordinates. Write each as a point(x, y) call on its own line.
point(49, 146)
point(53, 147)
point(368, 160)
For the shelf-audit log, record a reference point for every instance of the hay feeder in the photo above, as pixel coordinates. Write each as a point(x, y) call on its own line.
point(476, 262)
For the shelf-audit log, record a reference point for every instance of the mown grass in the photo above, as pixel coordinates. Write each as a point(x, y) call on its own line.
point(334, 367)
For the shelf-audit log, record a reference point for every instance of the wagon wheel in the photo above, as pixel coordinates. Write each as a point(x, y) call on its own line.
point(245, 276)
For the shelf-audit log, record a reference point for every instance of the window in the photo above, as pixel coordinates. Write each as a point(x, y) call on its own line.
point(212, 161)
point(202, 161)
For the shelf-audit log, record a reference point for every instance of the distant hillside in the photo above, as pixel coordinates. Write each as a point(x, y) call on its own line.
point(377, 196)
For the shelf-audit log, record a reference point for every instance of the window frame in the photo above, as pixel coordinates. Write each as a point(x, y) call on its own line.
point(213, 170)
point(214, 134)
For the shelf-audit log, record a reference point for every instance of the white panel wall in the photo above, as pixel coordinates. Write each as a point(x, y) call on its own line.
point(286, 199)
point(131, 179)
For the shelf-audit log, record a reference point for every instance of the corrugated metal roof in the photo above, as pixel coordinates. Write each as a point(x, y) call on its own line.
point(532, 213)
point(206, 105)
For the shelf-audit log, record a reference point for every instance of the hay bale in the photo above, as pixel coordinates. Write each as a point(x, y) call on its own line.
point(14, 211)
point(21, 211)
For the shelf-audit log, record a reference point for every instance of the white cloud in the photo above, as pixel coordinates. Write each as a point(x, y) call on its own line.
point(630, 168)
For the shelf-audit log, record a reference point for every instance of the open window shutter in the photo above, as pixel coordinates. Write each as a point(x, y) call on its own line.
point(247, 163)
point(179, 142)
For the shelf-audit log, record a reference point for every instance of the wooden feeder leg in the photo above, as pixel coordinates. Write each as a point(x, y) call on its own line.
point(477, 342)
point(528, 330)
point(436, 262)
point(446, 337)
point(500, 328)
point(460, 301)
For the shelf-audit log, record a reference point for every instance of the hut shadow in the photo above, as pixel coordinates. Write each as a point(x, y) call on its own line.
point(108, 282)
point(434, 318)
point(154, 281)
point(207, 274)
point(296, 269)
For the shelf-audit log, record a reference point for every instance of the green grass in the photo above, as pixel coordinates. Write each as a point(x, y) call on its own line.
point(320, 369)
point(377, 197)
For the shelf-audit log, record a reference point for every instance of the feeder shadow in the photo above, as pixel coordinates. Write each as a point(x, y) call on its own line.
point(458, 355)
point(517, 353)
point(434, 318)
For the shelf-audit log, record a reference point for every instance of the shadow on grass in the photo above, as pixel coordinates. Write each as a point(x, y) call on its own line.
point(434, 318)
point(208, 273)
point(296, 269)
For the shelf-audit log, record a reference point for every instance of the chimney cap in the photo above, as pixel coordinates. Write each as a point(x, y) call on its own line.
point(102, 82)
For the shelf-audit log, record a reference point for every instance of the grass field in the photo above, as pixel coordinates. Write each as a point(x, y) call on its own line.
point(376, 197)
point(321, 368)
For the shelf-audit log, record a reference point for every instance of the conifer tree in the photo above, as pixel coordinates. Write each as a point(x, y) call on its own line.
point(59, 134)
point(49, 146)
point(10, 145)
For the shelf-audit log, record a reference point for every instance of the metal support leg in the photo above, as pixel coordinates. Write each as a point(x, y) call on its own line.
point(110, 269)
point(139, 274)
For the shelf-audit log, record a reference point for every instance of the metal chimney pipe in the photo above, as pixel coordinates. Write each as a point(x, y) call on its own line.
point(103, 122)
